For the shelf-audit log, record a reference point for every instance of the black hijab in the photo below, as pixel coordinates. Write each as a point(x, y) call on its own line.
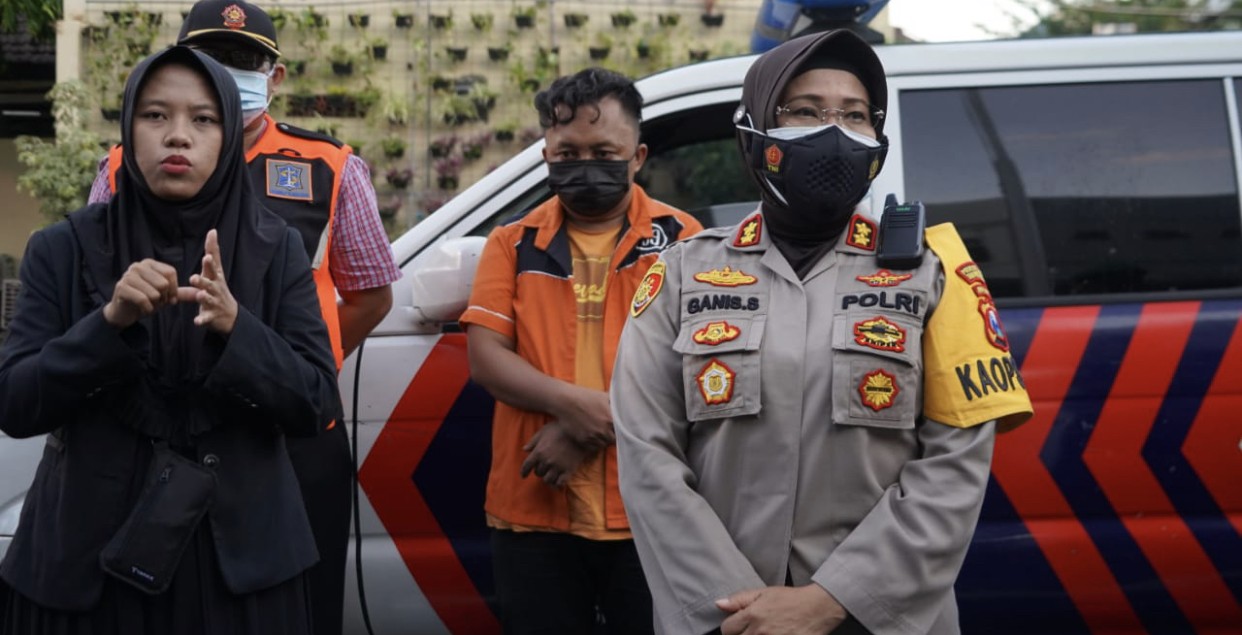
point(137, 224)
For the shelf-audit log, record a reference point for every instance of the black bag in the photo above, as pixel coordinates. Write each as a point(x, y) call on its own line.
point(146, 549)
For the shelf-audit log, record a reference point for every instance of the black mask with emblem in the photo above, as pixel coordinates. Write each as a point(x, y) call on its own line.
point(590, 188)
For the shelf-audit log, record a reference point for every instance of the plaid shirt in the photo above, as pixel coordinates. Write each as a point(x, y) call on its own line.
point(361, 257)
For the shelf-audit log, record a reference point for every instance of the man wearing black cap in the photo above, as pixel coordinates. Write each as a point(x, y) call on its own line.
point(324, 191)
point(801, 450)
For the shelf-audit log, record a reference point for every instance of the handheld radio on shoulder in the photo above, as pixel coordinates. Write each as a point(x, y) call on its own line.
point(901, 234)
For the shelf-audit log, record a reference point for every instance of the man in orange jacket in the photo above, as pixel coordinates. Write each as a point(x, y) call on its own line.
point(551, 295)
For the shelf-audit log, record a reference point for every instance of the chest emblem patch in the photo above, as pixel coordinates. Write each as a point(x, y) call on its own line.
point(715, 382)
point(884, 278)
point(861, 234)
point(992, 327)
point(750, 231)
point(727, 277)
point(717, 333)
point(289, 179)
point(880, 334)
point(878, 389)
point(648, 289)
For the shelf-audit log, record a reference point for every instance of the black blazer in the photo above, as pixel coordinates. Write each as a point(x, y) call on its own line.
point(65, 371)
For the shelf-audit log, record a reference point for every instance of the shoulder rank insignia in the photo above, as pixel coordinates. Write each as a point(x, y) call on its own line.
point(717, 333)
point(861, 233)
point(715, 382)
point(648, 289)
point(880, 334)
point(749, 232)
point(727, 277)
point(884, 278)
point(878, 389)
point(289, 179)
point(992, 327)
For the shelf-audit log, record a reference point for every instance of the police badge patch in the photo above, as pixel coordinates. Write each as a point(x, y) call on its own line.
point(992, 327)
point(878, 389)
point(884, 278)
point(715, 382)
point(289, 179)
point(717, 333)
point(648, 289)
point(880, 334)
point(727, 277)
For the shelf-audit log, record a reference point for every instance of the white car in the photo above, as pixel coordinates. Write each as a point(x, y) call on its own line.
point(1095, 180)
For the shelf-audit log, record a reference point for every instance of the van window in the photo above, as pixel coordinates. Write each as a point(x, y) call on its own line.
point(1081, 189)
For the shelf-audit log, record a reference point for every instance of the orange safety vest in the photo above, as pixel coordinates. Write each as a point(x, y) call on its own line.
point(298, 173)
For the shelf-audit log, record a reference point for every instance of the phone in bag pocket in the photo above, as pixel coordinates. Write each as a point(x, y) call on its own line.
point(147, 548)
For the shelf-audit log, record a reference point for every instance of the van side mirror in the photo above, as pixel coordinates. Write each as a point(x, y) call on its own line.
point(442, 282)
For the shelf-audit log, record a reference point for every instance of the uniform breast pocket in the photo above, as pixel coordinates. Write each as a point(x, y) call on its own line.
point(877, 366)
point(720, 365)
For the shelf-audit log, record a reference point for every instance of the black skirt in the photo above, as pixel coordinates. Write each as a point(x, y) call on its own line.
point(196, 602)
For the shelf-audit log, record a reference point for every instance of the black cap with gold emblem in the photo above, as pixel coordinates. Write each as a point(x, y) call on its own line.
point(233, 21)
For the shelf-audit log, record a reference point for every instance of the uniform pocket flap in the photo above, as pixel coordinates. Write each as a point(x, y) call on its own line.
point(890, 336)
point(714, 335)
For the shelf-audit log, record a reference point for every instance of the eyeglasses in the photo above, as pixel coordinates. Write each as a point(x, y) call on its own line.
point(804, 112)
point(240, 59)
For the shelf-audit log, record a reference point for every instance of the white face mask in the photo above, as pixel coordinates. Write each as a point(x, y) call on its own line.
point(253, 88)
point(797, 132)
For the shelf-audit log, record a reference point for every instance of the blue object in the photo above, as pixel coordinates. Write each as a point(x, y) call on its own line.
point(778, 18)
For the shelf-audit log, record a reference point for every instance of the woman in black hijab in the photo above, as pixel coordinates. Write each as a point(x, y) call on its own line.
point(166, 343)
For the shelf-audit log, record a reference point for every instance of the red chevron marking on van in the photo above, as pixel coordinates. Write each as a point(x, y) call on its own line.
point(1114, 456)
point(1212, 450)
point(386, 475)
point(1056, 348)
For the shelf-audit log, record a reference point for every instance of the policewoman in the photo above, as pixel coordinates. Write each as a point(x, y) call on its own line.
point(807, 431)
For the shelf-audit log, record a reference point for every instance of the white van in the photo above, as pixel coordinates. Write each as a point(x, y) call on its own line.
point(1095, 180)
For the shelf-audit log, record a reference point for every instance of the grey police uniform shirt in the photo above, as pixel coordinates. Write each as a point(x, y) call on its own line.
point(785, 443)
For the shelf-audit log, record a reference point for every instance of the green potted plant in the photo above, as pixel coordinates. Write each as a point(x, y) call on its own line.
point(575, 20)
point(442, 146)
point(524, 17)
point(458, 110)
point(698, 54)
point(484, 99)
point(393, 147)
point(296, 67)
point(379, 49)
point(669, 19)
point(448, 172)
point(360, 20)
point(712, 20)
point(472, 147)
point(623, 19)
point(402, 19)
point(442, 22)
point(279, 17)
point(441, 83)
point(394, 108)
point(498, 53)
point(505, 132)
point(342, 60)
point(399, 176)
point(388, 206)
point(600, 48)
point(482, 21)
point(456, 53)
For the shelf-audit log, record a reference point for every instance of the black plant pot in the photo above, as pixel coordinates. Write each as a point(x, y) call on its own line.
point(343, 68)
point(440, 22)
point(379, 52)
point(712, 19)
point(361, 21)
point(110, 114)
point(447, 182)
point(404, 21)
point(530, 85)
point(621, 21)
point(441, 83)
point(575, 20)
point(643, 51)
point(698, 55)
point(599, 52)
point(504, 136)
point(497, 54)
point(456, 53)
point(296, 67)
point(399, 182)
point(524, 21)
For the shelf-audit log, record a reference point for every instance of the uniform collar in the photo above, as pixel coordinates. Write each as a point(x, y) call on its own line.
point(548, 219)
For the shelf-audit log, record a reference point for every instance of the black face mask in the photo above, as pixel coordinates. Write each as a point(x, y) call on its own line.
point(590, 188)
point(814, 182)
